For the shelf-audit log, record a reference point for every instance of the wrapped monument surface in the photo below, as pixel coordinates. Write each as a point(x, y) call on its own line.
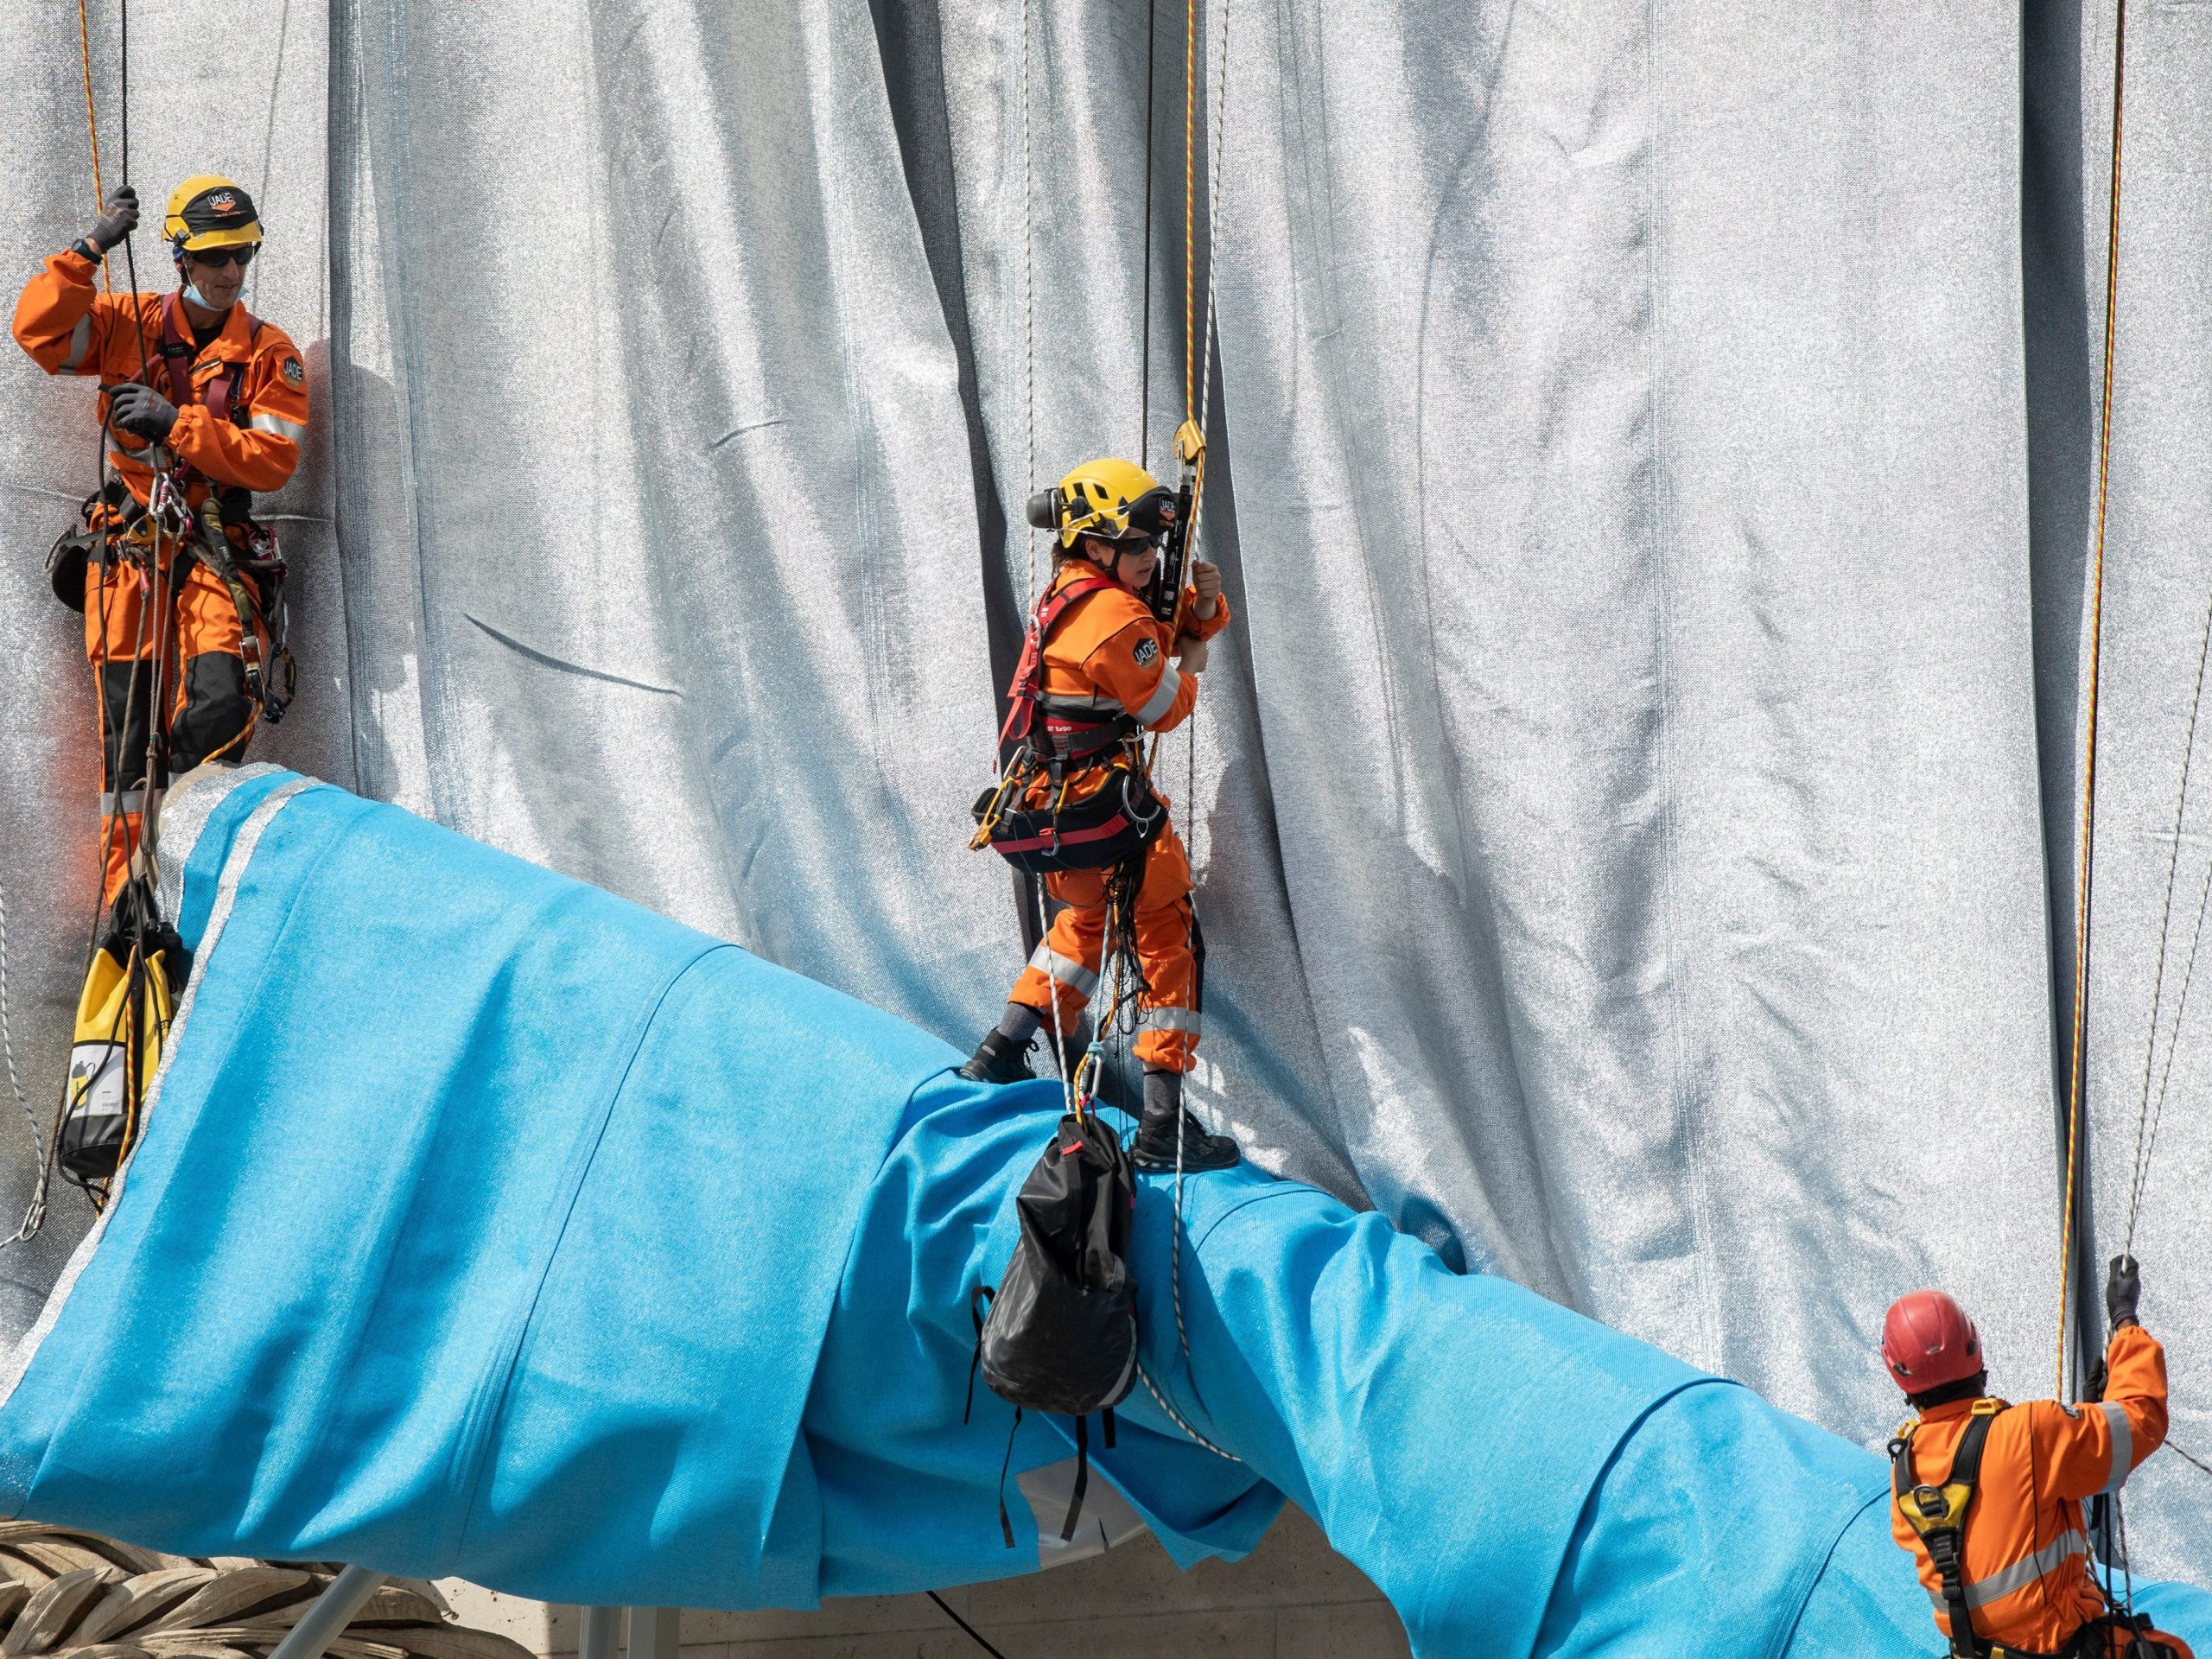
point(1654, 461)
point(486, 1224)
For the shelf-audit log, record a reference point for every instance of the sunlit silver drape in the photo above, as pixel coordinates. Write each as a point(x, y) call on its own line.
point(1654, 470)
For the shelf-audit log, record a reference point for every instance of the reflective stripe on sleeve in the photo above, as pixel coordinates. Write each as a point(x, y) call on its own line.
point(263, 421)
point(1169, 1019)
point(1163, 697)
point(2123, 1446)
point(1063, 969)
point(80, 341)
point(2022, 1572)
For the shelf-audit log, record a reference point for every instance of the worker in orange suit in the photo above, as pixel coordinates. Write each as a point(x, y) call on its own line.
point(195, 390)
point(1988, 1496)
point(1111, 672)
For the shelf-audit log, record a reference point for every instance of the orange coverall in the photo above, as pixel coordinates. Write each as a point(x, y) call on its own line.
point(1107, 656)
point(2027, 1555)
point(69, 327)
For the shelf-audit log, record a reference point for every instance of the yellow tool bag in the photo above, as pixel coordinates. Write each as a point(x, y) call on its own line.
point(123, 1018)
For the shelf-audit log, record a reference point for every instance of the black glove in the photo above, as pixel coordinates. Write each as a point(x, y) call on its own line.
point(138, 408)
point(117, 222)
point(2123, 1289)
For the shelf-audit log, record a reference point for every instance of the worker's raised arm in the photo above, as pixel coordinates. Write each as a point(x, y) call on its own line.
point(60, 318)
point(2087, 1449)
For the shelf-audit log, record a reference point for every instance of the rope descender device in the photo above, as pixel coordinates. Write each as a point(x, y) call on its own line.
point(1174, 557)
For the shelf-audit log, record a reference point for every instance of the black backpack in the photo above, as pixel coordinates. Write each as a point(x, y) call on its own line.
point(1061, 1332)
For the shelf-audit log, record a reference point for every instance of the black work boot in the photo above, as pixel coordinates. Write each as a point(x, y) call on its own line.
point(1165, 1122)
point(999, 1058)
point(1003, 1055)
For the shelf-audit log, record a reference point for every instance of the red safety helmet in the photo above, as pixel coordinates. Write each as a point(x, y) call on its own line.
point(1928, 1340)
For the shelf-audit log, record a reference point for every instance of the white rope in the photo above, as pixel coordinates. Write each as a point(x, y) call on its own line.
point(1029, 487)
point(36, 1213)
point(1217, 117)
point(2148, 1116)
point(1028, 320)
point(1176, 1417)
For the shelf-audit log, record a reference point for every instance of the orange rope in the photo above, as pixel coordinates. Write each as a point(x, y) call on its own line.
point(92, 125)
point(2076, 1073)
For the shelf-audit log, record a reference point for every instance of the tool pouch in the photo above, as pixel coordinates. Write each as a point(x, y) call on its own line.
point(67, 560)
point(77, 547)
point(1114, 822)
point(1061, 1334)
point(123, 1020)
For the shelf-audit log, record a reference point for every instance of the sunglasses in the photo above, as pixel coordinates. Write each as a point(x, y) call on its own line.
point(241, 256)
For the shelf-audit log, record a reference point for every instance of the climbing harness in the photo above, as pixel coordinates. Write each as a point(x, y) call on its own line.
point(1033, 816)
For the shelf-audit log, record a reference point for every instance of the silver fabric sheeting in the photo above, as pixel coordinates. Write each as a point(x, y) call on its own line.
point(2157, 593)
point(1652, 467)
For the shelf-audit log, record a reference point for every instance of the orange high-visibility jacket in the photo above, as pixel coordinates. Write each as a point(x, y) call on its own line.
point(69, 327)
point(1108, 655)
point(2026, 1555)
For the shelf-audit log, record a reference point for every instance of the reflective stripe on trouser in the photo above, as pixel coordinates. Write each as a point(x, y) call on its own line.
point(1067, 961)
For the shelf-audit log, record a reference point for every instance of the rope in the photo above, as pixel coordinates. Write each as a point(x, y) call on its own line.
point(1176, 1417)
point(2077, 1075)
point(974, 1635)
point(1217, 114)
point(36, 1213)
point(1217, 117)
point(93, 125)
point(2147, 1118)
point(1190, 192)
point(1144, 395)
point(1035, 885)
point(1028, 317)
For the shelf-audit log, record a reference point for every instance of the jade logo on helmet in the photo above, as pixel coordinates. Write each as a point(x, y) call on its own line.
point(208, 211)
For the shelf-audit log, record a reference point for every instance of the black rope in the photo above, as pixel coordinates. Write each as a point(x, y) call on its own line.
point(974, 1635)
point(130, 260)
point(1151, 59)
point(2192, 1461)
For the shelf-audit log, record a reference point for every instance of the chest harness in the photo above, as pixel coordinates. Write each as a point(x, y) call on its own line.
point(1938, 1514)
point(223, 535)
point(1070, 729)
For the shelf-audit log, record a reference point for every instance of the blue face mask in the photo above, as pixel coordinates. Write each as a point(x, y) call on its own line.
point(192, 293)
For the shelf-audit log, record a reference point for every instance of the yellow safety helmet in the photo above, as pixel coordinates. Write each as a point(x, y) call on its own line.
point(1115, 499)
point(208, 211)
